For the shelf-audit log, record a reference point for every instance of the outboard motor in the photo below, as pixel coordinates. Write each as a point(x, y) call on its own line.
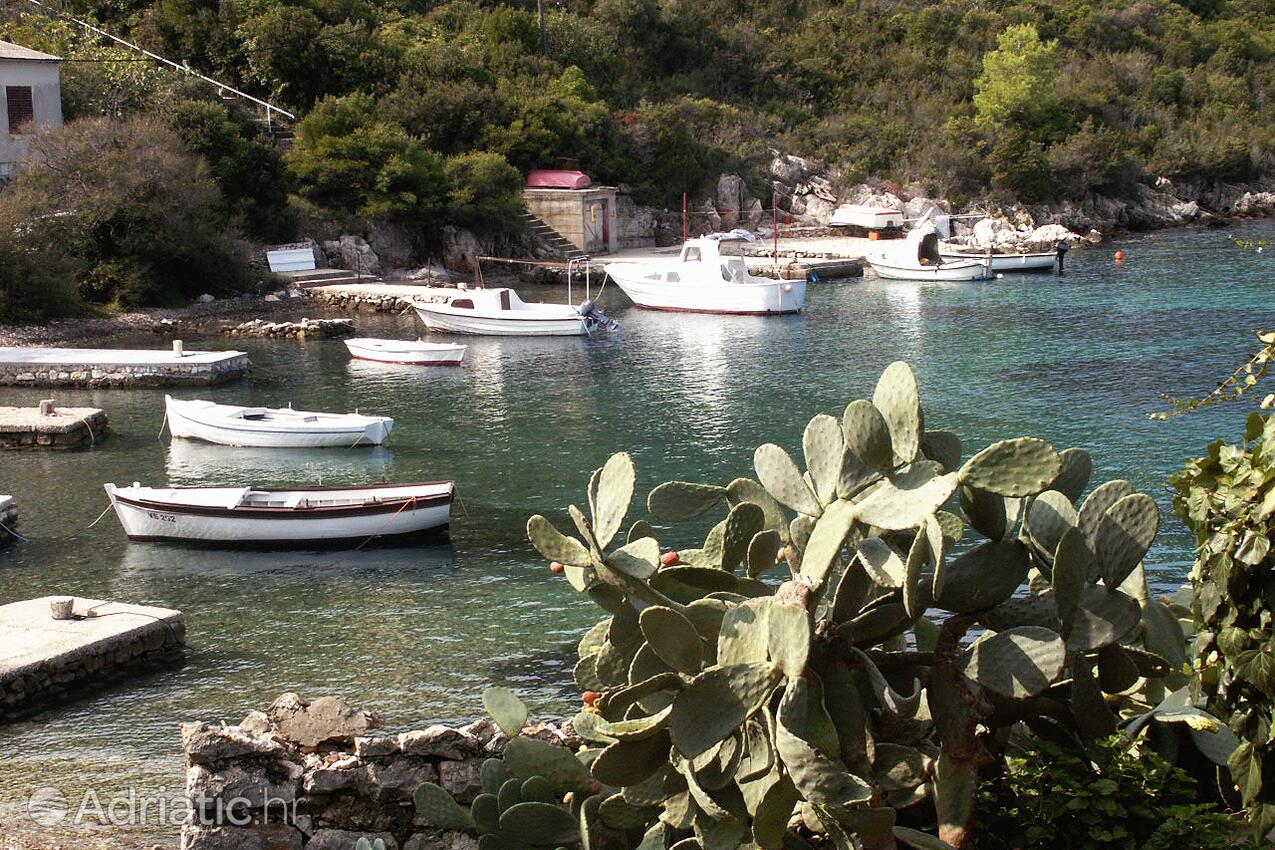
point(1061, 248)
point(591, 312)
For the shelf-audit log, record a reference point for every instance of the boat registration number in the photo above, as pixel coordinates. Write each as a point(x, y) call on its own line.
point(161, 517)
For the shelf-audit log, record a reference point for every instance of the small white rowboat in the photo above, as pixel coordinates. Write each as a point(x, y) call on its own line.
point(1034, 262)
point(270, 427)
point(259, 516)
point(500, 312)
point(406, 352)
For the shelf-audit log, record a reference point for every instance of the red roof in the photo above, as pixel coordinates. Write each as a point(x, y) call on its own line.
point(549, 178)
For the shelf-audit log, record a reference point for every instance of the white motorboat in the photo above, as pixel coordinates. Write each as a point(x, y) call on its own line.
point(259, 516)
point(272, 427)
point(1028, 262)
point(709, 276)
point(500, 312)
point(917, 257)
point(406, 352)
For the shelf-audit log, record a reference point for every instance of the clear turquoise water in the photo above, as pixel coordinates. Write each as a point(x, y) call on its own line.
point(416, 633)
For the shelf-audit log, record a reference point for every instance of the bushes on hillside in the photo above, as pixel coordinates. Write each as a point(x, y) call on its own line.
point(125, 208)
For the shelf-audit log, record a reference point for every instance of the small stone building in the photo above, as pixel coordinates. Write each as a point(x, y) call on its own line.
point(30, 98)
point(568, 202)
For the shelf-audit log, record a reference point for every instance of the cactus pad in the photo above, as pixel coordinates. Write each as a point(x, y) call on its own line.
point(540, 824)
point(1124, 534)
point(1050, 516)
point(745, 521)
point(898, 398)
point(613, 497)
point(1095, 506)
point(1077, 466)
point(506, 709)
point(763, 552)
point(823, 445)
point(826, 540)
point(942, 447)
point(678, 501)
point(673, 638)
point(884, 564)
point(788, 629)
point(528, 757)
point(717, 702)
point(437, 808)
point(904, 500)
point(1020, 467)
point(1017, 663)
point(783, 480)
point(631, 761)
point(639, 559)
point(554, 545)
point(1072, 564)
point(867, 435)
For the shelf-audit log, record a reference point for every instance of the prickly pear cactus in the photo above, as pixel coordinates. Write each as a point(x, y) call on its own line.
point(536, 795)
point(844, 655)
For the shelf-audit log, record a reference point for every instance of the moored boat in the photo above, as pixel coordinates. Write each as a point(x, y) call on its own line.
point(1041, 261)
point(709, 276)
point(917, 257)
point(270, 427)
point(263, 516)
point(406, 352)
point(500, 312)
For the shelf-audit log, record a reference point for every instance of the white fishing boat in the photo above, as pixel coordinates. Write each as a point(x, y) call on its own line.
point(500, 312)
point(272, 427)
point(917, 257)
point(1042, 261)
point(261, 516)
point(709, 276)
point(406, 352)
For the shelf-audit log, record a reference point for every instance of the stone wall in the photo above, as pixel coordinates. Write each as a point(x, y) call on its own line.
point(351, 298)
point(123, 375)
point(317, 775)
point(304, 329)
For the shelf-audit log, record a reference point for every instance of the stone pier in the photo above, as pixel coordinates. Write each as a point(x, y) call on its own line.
point(111, 367)
point(378, 297)
point(64, 428)
point(46, 662)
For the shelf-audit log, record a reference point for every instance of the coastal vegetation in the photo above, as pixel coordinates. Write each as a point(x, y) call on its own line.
point(426, 114)
point(808, 670)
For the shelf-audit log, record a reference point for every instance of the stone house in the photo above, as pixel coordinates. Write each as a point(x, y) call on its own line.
point(30, 97)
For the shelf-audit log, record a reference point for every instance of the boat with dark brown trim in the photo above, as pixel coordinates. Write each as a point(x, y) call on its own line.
point(298, 517)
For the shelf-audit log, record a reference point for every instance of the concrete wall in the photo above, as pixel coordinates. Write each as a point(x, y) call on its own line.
point(571, 213)
point(44, 78)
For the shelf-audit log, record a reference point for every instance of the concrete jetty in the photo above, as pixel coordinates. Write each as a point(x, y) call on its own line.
point(111, 367)
point(64, 428)
point(46, 662)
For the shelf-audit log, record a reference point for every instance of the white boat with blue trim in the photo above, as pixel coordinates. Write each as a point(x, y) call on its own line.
point(272, 427)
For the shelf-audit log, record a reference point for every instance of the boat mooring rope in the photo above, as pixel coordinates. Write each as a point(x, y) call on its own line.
point(9, 530)
point(410, 501)
point(163, 425)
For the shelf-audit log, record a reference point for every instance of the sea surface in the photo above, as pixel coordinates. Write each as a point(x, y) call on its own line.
point(414, 634)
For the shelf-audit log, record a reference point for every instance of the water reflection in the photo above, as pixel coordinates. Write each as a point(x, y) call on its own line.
point(143, 562)
point(195, 463)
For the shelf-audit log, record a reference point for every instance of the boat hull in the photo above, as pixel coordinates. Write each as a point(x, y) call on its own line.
point(441, 317)
point(740, 299)
point(450, 355)
point(231, 527)
point(185, 424)
point(1039, 262)
point(975, 270)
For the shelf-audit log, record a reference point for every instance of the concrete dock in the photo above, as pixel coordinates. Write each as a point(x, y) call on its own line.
point(378, 297)
point(45, 662)
point(65, 428)
point(111, 367)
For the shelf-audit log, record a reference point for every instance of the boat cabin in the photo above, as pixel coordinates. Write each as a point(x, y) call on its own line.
point(487, 299)
point(707, 251)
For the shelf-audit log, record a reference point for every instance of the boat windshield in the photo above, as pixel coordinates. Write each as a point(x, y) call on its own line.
point(731, 248)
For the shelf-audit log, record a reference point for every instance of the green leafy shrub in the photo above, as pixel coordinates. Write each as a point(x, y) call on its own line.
point(485, 193)
point(135, 212)
point(347, 158)
point(1227, 498)
point(852, 700)
point(1056, 798)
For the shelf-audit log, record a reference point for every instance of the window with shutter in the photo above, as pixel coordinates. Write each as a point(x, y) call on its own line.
point(21, 108)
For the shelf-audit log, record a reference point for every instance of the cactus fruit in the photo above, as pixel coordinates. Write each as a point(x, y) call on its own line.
point(737, 714)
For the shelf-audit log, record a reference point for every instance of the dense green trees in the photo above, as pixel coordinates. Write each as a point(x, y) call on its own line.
point(1041, 102)
point(121, 210)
